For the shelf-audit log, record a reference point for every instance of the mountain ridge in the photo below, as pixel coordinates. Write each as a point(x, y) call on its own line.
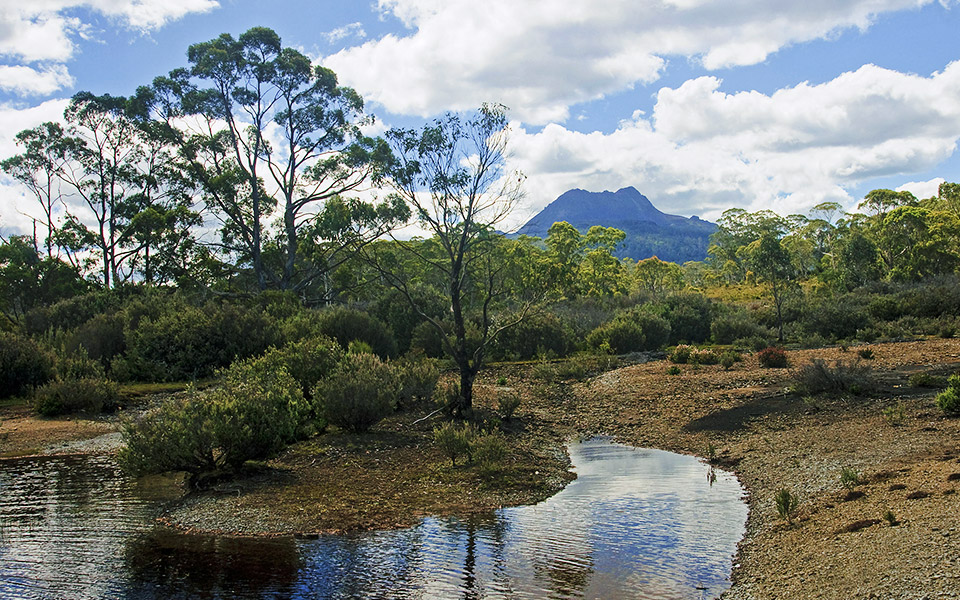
point(650, 232)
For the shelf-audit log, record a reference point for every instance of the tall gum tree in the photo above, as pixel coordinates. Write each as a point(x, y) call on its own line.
point(265, 130)
point(452, 175)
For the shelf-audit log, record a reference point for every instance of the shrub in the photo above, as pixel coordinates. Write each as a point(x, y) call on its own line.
point(689, 316)
point(76, 395)
point(346, 325)
point(819, 377)
point(927, 380)
point(727, 329)
point(453, 441)
point(681, 354)
point(773, 357)
point(307, 361)
point(507, 404)
point(673, 370)
point(77, 365)
point(949, 399)
point(728, 359)
point(849, 478)
point(251, 416)
point(631, 331)
point(544, 370)
point(447, 394)
point(537, 334)
point(23, 364)
point(102, 338)
point(418, 378)
point(786, 504)
point(489, 451)
point(358, 394)
point(894, 414)
point(865, 353)
point(704, 357)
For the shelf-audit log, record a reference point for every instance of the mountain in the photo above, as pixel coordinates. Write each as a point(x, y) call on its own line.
point(650, 232)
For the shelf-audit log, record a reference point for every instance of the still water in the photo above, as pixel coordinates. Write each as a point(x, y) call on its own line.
point(636, 523)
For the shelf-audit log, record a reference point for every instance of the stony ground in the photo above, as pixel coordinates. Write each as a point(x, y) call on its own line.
point(840, 545)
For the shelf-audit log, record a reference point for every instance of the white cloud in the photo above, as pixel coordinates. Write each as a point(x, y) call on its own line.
point(341, 33)
point(27, 81)
point(542, 56)
point(702, 150)
point(46, 31)
point(923, 189)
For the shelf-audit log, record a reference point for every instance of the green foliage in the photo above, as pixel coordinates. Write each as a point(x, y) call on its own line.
point(186, 342)
point(454, 440)
point(507, 404)
point(537, 334)
point(736, 325)
point(253, 414)
point(64, 396)
point(359, 393)
point(673, 370)
point(866, 354)
point(23, 365)
point(489, 450)
point(418, 378)
point(359, 347)
point(894, 414)
point(849, 477)
point(346, 325)
point(680, 354)
point(773, 357)
point(786, 503)
point(949, 399)
point(927, 380)
point(631, 331)
point(77, 365)
point(307, 361)
point(690, 317)
point(729, 358)
point(545, 371)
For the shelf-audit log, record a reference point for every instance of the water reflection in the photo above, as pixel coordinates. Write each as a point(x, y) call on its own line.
point(636, 523)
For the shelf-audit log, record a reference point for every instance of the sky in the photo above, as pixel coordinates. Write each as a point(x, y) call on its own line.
point(701, 105)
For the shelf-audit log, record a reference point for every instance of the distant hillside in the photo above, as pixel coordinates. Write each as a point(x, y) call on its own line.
point(649, 231)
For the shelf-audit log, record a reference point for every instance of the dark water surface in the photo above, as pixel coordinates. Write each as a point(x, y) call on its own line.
point(635, 524)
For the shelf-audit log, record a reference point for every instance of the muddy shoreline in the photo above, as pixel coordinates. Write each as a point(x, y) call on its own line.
point(745, 418)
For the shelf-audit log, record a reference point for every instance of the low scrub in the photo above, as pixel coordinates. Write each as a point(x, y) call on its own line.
point(773, 357)
point(417, 378)
point(949, 399)
point(65, 396)
point(631, 331)
point(819, 377)
point(252, 415)
point(23, 365)
point(454, 440)
point(358, 394)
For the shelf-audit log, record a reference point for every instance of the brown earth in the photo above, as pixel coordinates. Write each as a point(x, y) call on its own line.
point(838, 546)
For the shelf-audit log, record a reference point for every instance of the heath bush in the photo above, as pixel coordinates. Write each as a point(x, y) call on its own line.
point(359, 393)
point(773, 357)
point(23, 364)
point(818, 377)
point(417, 377)
point(89, 395)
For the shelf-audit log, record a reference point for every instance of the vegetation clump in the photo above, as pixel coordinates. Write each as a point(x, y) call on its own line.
point(819, 377)
point(65, 396)
point(786, 503)
point(23, 365)
point(773, 357)
point(454, 440)
point(359, 393)
point(507, 404)
point(949, 399)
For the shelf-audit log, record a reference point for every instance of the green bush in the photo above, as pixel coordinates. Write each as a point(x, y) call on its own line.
point(927, 380)
point(849, 477)
point(681, 354)
point(453, 440)
point(673, 370)
point(786, 504)
point(690, 317)
point(773, 357)
point(418, 378)
point(76, 395)
point(307, 361)
point(631, 331)
point(359, 393)
point(252, 415)
point(489, 451)
point(344, 325)
point(77, 365)
point(426, 339)
point(729, 358)
point(101, 337)
point(188, 342)
point(507, 404)
point(949, 399)
point(537, 334)
point(728, 328)
point(23, 365)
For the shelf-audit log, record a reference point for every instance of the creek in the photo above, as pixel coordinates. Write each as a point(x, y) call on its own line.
point(636, 523)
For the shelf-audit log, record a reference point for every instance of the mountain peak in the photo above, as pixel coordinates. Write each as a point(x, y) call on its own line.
point(631, 211)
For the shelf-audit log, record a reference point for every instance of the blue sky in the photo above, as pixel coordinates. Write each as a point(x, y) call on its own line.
point(700, 105)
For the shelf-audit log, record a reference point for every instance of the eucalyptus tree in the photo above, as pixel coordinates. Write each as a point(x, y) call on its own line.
point(38, 168)
point(452, 175)
point(267, 133)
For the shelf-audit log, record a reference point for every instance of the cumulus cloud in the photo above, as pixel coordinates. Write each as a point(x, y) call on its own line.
point(46, 31)
point(342, 33)
point(542, 56)
point(923, 189)
point(702, 150)
point(27, 81)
